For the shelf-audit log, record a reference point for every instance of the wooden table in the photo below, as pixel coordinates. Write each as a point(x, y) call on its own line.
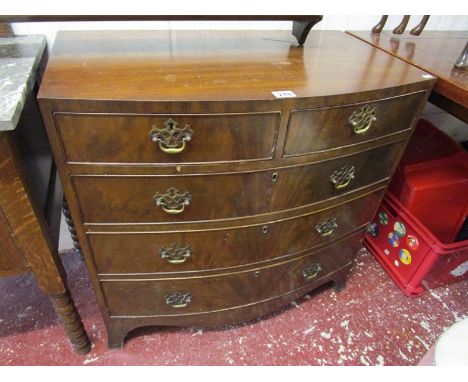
point(436, 53)
point(30, 192)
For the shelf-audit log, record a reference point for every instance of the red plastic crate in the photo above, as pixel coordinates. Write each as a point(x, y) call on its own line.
point(431, 181)
point(426, 144)
point(413, 257)
point(436, 193)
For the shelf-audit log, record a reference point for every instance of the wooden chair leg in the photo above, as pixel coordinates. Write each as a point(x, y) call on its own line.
point(416, 31)
point(401, 28)
point(380, 25)
point(462, 61)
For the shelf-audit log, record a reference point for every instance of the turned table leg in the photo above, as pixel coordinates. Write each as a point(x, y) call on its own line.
point(28, 226)
point(71, 228)
point(71, 321)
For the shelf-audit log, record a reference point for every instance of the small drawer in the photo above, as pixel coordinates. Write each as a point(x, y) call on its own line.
point(174, 138)
point(155, 252)
point(331, 128)
point(203, 294)
point(153, 199)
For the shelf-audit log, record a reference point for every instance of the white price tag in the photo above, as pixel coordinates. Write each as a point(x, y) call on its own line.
point(283, 94)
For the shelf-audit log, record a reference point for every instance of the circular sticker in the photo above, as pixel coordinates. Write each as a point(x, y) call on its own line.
point(399, 229)
point(383, 218)
point(373, 229)
point(405, 256)
point(393, 239)
point(412, 242)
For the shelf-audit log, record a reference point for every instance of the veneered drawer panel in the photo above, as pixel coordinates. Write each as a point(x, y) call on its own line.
point(133, 199)
point(120, 138)
point(304, 185)
point(334, 127)
point(155, 252)
point(156, 297)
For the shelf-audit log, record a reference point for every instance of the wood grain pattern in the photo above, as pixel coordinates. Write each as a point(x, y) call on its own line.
point(29, 230)
point(130, 199)
point(129, 297)
point(328, 128)
point(12, 260)
point(209, 225)
point(125, 138)
point(118, 328)
point(230, 66)
point(434, 52)
point(250, 222)
point(30, 217)
point(126, 253)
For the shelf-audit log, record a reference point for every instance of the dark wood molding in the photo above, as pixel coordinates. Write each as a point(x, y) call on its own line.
point(449, 106)
point(302, 24)
point(53, 18)
point(302, 28)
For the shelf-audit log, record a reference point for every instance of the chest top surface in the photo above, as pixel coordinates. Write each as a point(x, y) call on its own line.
point(216, 66)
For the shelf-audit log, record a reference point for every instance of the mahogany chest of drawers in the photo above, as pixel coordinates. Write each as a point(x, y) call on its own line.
point(199, 197)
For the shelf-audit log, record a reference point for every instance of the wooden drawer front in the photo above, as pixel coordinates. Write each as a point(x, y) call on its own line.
point(107, 138)
point(131, 199)
point(216, 249)
point(309, 184)
point(333, 127)
point(147, 297)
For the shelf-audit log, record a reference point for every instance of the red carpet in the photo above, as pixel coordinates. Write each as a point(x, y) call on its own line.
point(369, 323)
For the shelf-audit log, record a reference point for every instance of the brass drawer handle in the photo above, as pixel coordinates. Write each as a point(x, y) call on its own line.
point(171, 139)
point(326, 227)
point(173, 202)
point(361, 120)
point(311, 271)
point(342, 177)
point(178, 299)
point(175, 254)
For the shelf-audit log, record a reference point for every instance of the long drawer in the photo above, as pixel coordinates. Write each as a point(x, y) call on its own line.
point(169, 138)
point(340, 126)
point(154, 252)
point(180, 296)
point(146, 199)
